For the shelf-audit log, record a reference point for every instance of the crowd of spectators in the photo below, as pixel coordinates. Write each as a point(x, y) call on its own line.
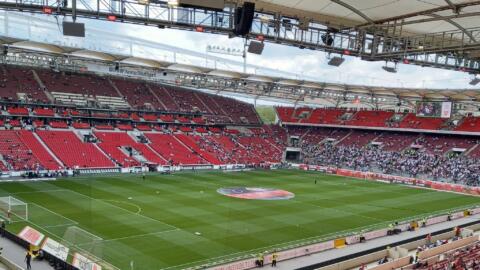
point(413, 162)
point(458, 259)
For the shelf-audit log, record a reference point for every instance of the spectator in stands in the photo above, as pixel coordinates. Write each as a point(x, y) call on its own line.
point(414, 163)
point(383, 260)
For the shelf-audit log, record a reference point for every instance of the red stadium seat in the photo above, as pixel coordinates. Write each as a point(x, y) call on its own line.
point(72, 151)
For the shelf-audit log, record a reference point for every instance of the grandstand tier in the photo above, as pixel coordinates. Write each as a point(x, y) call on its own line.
point(83, 90)
point(139, 123)
point(372, 118)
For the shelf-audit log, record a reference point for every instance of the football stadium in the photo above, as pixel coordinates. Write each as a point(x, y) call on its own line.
point(235, 135)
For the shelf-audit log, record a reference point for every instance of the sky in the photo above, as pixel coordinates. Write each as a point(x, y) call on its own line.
point(289, 61)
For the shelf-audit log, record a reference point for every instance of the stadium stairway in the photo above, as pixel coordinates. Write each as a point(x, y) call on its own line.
point(115, 143)
point(164, 95)
point(339, 141)
point(259, 149)
point(188, 142)
point(116, 89)
point(203, 102)
point(474, 151)
point(316, 135)
point(396, 141)
point(87, 155)
point(172, 150)
point(305, 134)
point(19, 156)
point(42, 86)
point(358, 138)
point(220, 110)
point(40, 150)
point(114, 147)
point(3, 164)
point(156, 96)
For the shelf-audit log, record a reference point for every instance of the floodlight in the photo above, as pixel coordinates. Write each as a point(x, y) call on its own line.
point(336, 61)
point(390, 69)
point(475, 81)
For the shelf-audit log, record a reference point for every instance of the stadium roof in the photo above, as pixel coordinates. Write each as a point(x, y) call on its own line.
point(418, 16)
point(89, 55)
point(434, 33)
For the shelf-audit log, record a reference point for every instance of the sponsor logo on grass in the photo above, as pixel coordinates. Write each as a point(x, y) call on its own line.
point(256, 193)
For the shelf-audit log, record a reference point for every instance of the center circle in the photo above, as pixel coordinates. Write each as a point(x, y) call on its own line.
point(256, 193)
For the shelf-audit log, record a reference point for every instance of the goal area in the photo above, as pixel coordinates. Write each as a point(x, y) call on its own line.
point(13, 209)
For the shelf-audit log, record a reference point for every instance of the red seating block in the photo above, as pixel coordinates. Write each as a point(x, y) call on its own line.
point(72, 151)
point(17, 111)
point(43, 112)
point(172, 150)
point(112, 142)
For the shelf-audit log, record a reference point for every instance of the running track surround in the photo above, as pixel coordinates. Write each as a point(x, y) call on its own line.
point(256, 193)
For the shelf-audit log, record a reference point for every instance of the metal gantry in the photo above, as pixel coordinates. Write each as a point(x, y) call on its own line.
point(382, 40)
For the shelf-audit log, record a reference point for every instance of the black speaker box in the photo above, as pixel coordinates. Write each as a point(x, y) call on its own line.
point(73, 29)
point(244, 19)
point(255, 47)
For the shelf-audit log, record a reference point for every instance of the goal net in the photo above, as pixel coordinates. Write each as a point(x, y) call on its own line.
point(87, 244)
point(13, 209)
point(77, 236)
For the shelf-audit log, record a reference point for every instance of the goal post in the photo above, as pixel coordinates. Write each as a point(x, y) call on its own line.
point(13, 209)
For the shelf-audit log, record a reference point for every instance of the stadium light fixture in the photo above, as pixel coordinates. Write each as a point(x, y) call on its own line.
point(475, 80)
point(390, 69)
point(336, 61)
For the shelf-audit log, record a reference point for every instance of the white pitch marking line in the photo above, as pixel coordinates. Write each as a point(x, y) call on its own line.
point(37, 191)
point(118, 207)
point(138, 235)
point(60, 225)
point(139, 209)
point(55, 213)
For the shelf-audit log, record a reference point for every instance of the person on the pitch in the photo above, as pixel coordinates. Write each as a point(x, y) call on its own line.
point(274, 259)
point(143, 176)
point(260, 259)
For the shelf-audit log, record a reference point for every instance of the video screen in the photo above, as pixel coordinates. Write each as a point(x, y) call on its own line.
point(434, 109)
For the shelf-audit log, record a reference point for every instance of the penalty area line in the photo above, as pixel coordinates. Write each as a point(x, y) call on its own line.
point(55, 213)
point(139, 209)
point(120, 208)
point(60, 225)
point(139, 235)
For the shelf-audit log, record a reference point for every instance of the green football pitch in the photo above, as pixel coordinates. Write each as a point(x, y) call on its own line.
point(178, 221)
